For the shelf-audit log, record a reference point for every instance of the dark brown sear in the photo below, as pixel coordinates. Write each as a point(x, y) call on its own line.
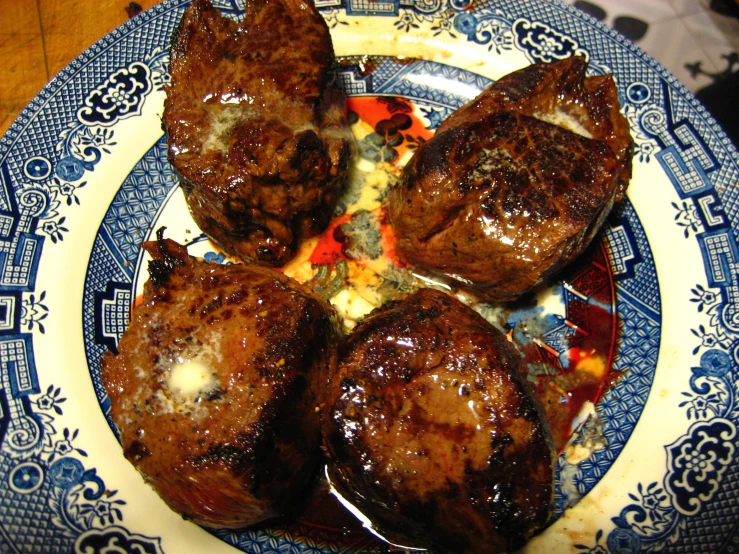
point(554, 92)
point(257, 132)
point(504, 196)
point(432, 433)
point(214, 387)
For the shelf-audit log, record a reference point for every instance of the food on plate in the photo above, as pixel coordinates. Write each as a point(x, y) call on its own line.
point(432, 432)
point(257, 133)
point(561, 94)
point(214, 387)
point(515, 184)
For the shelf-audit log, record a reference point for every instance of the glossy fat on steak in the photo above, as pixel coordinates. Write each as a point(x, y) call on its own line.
point(214, 386)
point(432, 432)
point(515, 184)
point(257, 132)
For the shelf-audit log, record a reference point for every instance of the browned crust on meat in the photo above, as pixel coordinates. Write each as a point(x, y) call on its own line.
point(433, 433)
point(546, 88)
point(500, 199)
point(257, 132)
point(499, 203)
point(245, 451)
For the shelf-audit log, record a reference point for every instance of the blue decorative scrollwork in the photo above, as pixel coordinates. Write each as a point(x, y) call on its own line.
point(644, 144)
point(485, 27)
point(490, 28)
point(623, 541)
point(638, 93)
point(158, 62)
point(713, 363)
point(37, 168)
point(115, 540)
point(696, 463)
point(73, 485)
point(71, 168)
point(66, 473)
point(78, 504)
point(120, 97)
point(541, 43)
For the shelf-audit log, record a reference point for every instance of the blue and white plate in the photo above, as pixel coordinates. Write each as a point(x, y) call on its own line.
point(84, 180)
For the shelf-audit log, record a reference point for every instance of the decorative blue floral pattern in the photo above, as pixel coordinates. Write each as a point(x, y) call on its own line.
point(697, 462)
point(40, 458)
point(115, 540)
point(544, 44)
point(120, 97)
point(48, 485)
point(45, 174)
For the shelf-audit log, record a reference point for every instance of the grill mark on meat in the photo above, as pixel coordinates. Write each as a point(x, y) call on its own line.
point(235, 458)
point(211, 306)
point(549, 90)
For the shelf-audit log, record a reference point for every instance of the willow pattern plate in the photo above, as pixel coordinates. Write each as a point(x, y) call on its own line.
point(84, 179)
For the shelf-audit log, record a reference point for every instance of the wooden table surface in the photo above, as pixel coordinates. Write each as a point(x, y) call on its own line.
point(39, 37)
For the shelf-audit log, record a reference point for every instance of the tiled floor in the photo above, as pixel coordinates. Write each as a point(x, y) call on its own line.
point(692, 40)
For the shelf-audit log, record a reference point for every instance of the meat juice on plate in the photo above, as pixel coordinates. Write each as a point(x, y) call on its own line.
point(566, 332)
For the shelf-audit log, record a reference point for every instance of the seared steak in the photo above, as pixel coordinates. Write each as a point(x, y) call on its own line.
point(504, 196)
point(558, 92)
point(432, 432)
point(214, 387)
point(257, 132)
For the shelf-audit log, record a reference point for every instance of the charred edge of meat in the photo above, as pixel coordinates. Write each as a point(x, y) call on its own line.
point(245, 228)
point(236, 458)
point(160, 270)
point(307, 144)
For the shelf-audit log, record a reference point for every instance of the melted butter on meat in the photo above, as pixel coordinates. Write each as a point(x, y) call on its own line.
point(191, 379)
point(230, 112)
point(565, 120)
point(184, 379)
point(223, 119)
point(190, 376)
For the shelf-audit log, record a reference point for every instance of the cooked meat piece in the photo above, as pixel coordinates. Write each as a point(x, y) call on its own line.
point(502, 198)
point(213, 389)
point(561, 94)
point(257, 132)
point(432, 432)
